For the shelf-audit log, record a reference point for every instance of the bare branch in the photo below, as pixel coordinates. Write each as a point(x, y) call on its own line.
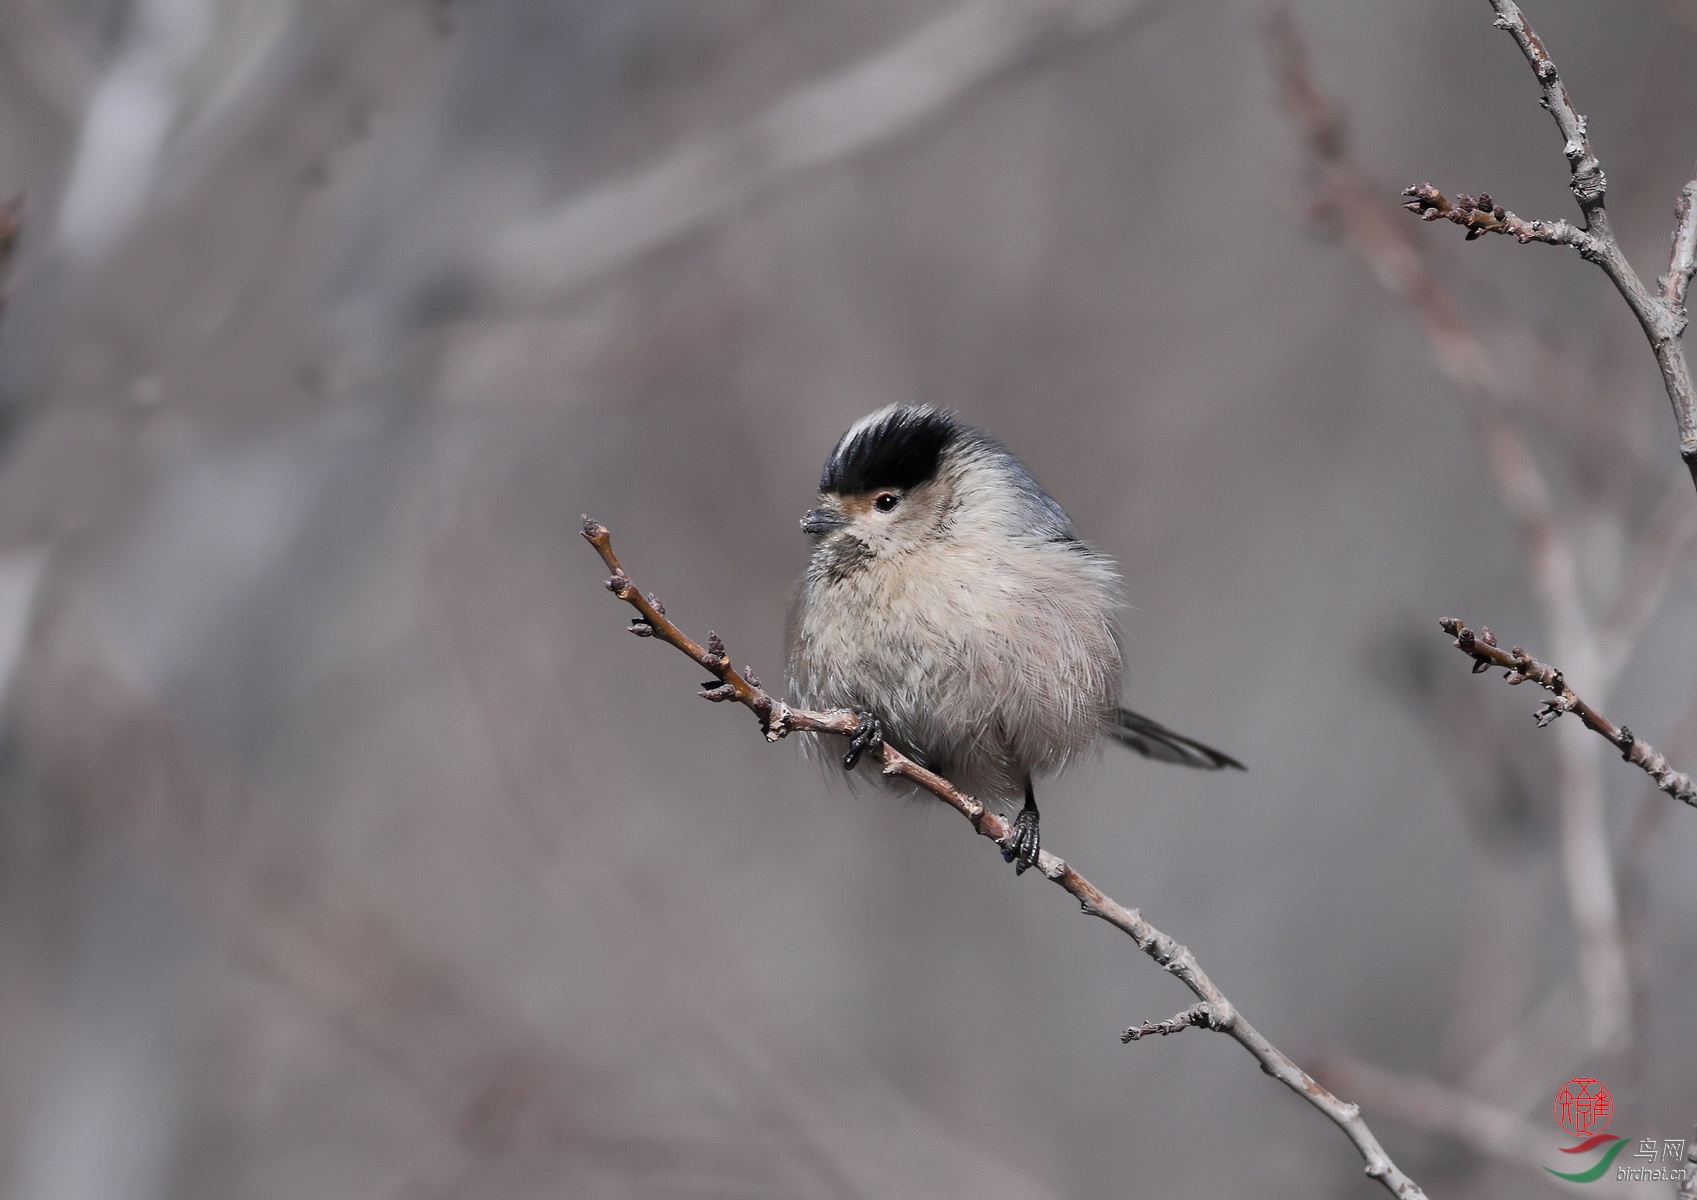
point(1196, 1014)
point(1660, 313)
point(1588, 182)
point(778, 719)
point(870, 103)
point(1521, 666)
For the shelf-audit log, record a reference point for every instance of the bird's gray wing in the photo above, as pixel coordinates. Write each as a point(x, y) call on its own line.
point(1154, 740)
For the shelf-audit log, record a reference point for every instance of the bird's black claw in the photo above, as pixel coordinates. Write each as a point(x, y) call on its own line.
point(868, 735)
point(1022, 845)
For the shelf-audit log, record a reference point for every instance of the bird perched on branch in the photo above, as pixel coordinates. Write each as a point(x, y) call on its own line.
point(949, 603)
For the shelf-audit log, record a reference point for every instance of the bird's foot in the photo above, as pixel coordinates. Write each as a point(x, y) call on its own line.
point(1021, 845)
point(868, 735)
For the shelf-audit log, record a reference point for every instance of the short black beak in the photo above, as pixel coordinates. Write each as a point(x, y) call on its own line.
point(818, 523)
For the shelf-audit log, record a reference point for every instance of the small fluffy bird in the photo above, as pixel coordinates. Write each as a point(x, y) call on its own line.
point(949, 602)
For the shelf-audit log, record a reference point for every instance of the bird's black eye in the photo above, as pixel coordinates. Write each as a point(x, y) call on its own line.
point(885, 501)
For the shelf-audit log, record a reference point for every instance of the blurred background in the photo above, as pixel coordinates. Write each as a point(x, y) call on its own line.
point(349, 848)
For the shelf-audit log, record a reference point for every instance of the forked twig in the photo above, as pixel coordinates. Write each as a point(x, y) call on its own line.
point(1660, 311)
point(1216, 1012)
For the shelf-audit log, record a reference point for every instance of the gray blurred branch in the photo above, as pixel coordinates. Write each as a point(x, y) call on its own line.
point(39, 52)
point(1485, 652)
point(11, 229)
point(1216, 1012)
point(1661, 550)
point(1348, 201)
point(1426, 1104)
point(1660, 312)
point(871, 103)
point(513, 1101)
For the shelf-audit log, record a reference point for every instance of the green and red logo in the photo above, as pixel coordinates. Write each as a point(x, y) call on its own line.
point(1584, 1109)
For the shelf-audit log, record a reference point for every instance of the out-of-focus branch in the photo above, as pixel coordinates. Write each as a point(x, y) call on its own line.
point(1647, 824)
point(1426, 1104)
point(1660, 550)
point(11, 230)
point(45, 60)
point(1521, 666)
point(871, 103)
point(1215, 1011)
point(1430, 1105)
point(117, 758)
point(1660, 312)
point(512, 1101)
point(1348, 201)
point(1552, 564)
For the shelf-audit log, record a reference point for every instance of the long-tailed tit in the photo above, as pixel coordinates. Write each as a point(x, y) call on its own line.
point(949, 602)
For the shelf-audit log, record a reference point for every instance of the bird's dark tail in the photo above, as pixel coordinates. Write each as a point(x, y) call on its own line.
point(1154, 740)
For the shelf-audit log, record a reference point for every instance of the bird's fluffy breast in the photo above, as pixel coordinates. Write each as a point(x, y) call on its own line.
point(989, 657)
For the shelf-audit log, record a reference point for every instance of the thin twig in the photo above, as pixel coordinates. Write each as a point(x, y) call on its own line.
point(1521, 666)
point(778, 719)
point(1480, 214)
point(1661, 313)
point(1196, 1014)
